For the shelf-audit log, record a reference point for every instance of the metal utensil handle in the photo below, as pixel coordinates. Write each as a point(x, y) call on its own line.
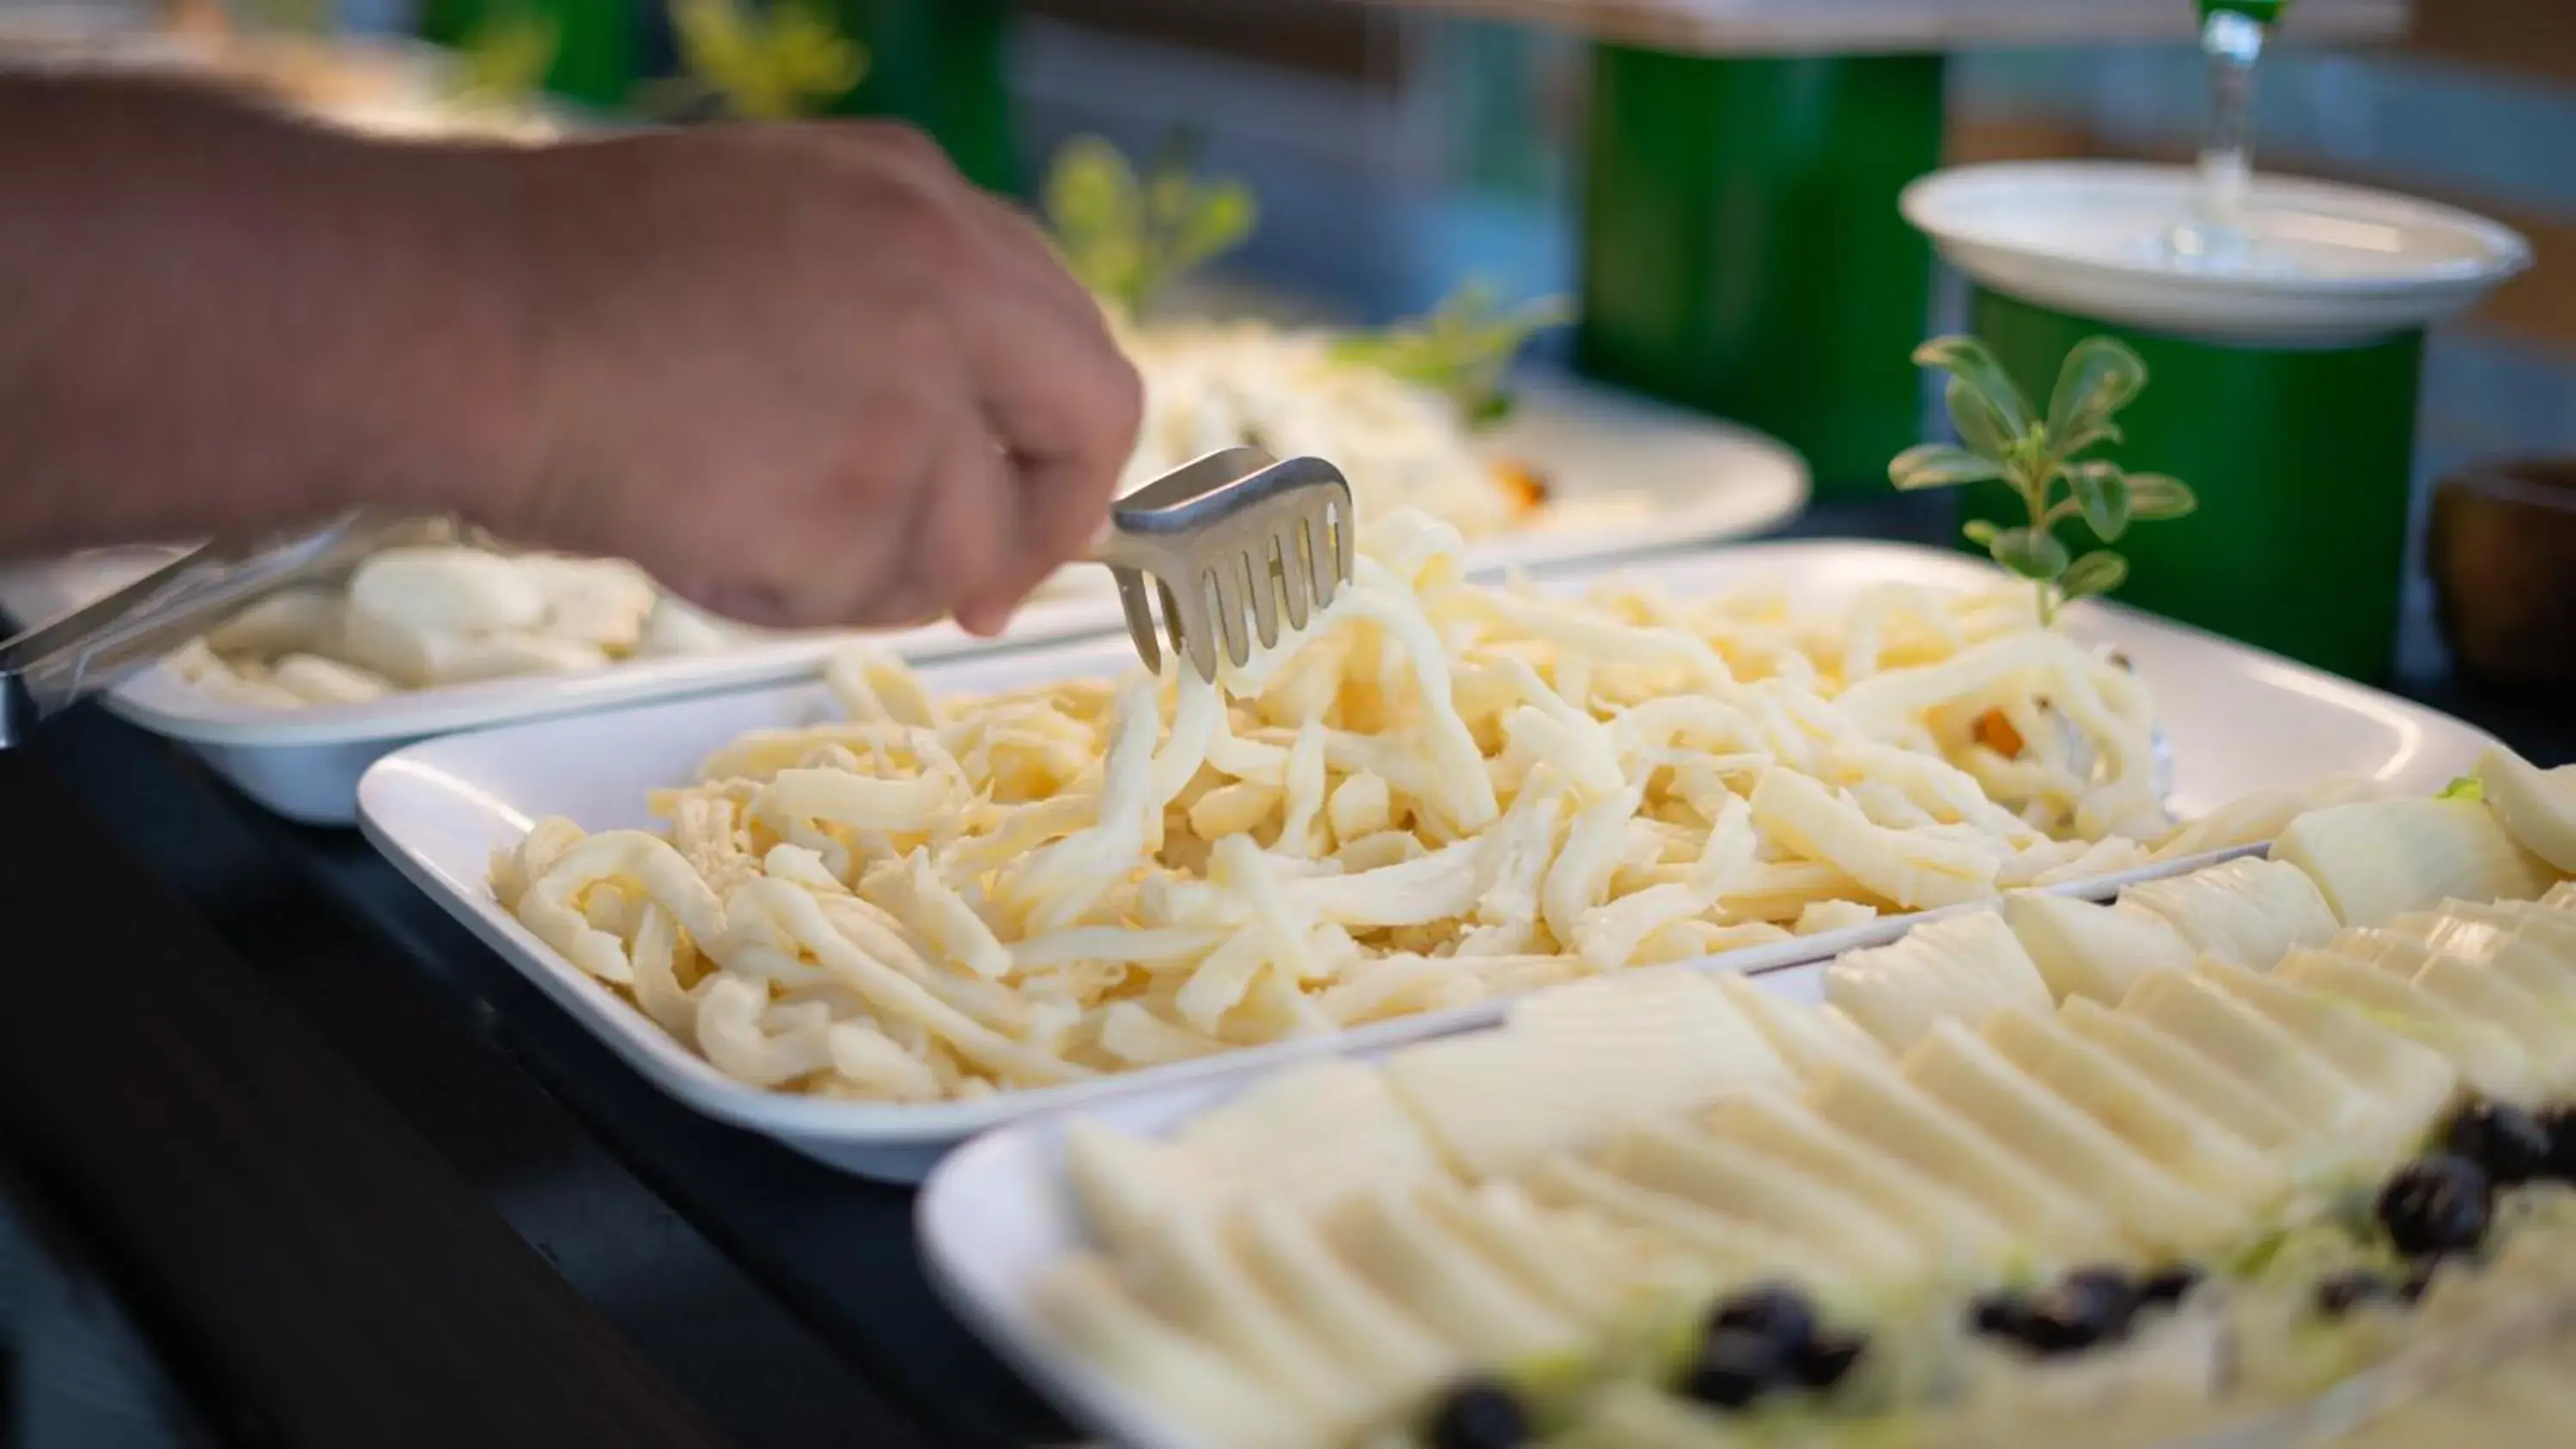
point(57, 664)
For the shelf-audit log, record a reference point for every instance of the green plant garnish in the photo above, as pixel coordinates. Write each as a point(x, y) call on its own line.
point(1129, 237)
point(504, 61)
point(1461, 349)
point(770, 61)
point(291, 17)
point(2467, 787)
point(2001, 437)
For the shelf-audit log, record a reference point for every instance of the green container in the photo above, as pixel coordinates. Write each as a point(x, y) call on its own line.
point(1742, 251)
point(2304, 463)
point(941, 65)
point(594, 55)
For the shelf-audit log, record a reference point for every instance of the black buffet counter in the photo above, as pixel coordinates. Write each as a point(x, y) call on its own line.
point(357, 1183)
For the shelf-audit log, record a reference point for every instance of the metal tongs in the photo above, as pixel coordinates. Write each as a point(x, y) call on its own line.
point(1232, 542)
point(1238, 532)
point(58, 664)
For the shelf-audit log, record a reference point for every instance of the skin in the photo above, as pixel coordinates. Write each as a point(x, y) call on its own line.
point(806, 375)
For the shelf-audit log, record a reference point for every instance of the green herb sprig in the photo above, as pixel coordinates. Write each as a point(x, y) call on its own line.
point(770, 61)
point(1461, 349)
point(503, 62)
point(1129, 237)
point(290, 17)
point(2002, 437)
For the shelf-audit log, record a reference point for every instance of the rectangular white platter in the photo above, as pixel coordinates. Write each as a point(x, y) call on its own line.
point(1636, 476)
point(996, 1213)
point(305, 764)
point(2238, 721)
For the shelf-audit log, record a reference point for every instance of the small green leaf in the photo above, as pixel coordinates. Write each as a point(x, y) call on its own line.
point(1966, 359)
point(1940, 465)
point(1980, 532)
point(1129, 236)
point(2102, 491)
point(2467, 787)
point(2098, 572)
point(2032, 555)
point(1462, 349)
point(2154, 497)
point(1982, 427)
point(1219, 221)
point(505, 59)
point(2100, 377)
point(1096, 207)
point(773, 61)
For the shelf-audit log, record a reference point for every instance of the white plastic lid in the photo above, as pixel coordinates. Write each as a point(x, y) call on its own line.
point(2328, 265)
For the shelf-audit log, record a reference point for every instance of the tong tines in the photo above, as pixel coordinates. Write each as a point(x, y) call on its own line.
point(1232, 541)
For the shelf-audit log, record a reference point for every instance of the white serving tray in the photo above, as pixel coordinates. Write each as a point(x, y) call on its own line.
point(997, 1213)
point(1685, 478)
point(2239, 720)
point(305, 763)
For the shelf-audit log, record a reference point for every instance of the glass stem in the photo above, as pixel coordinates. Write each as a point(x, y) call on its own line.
point(2234, 45)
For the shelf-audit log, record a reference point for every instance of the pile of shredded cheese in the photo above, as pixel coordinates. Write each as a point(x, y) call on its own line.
point(1441, 792)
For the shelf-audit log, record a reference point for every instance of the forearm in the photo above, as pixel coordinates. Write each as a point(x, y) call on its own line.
point(214, 318)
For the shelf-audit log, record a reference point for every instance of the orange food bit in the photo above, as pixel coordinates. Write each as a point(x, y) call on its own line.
point(1527, 489)
point(1997, 734)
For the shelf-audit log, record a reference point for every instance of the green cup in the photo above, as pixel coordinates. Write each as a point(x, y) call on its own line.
point(2303, 461)
point(1742, 249)
point(941, 65)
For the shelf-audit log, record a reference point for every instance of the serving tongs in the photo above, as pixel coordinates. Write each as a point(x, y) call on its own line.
point(57, 664)
point(1231, 543)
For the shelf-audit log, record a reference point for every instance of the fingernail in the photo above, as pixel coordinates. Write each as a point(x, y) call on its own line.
point(986, 621)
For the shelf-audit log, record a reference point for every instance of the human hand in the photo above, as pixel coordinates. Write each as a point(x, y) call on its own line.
point(806, 375)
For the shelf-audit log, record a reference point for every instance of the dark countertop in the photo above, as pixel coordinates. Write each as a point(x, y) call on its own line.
point(782, 1300)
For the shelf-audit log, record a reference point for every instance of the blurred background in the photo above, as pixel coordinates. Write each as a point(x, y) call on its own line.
point(1397, 148)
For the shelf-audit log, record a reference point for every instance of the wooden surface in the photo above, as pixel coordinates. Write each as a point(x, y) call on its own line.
point(1726, 27)
point(2528, 37)
point(314, 1274)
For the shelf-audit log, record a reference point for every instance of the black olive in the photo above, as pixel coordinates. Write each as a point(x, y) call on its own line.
point(2168, 1286)
point(2087, 1307)
point(1826, 1361)
point(1999, 1315)
point(2053, 1328)
point(1773, 1311)
point(2560, 1125)
point(2346, 1291)
point(2441, 1204)
point(2100, 1295)
point(1481, 1414)
point(2505, 1140)
point(1733, 1369)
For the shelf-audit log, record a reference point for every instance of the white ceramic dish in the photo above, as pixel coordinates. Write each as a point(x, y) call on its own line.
point(2238, 721)
point(305, 763)
point(1633, 476)
point(996, 1214)
point(1675, 479)
point(1626, 475)
point(2082, 237)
